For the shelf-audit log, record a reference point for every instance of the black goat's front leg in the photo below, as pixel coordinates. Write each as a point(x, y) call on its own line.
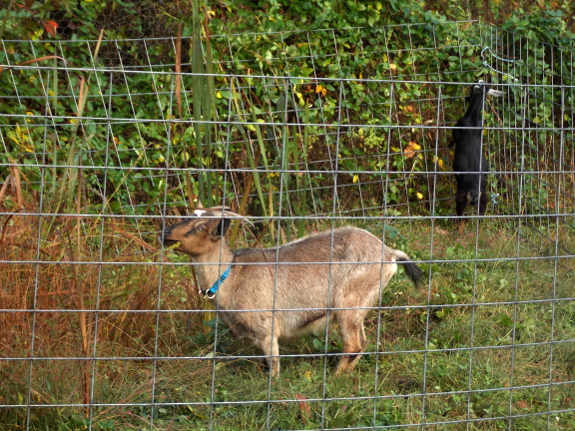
point(483, 203)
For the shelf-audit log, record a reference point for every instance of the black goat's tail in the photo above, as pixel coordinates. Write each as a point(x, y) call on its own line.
point(413, 271)
point(473, 197)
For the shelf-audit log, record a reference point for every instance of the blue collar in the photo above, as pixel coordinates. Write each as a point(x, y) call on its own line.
point(211, 292)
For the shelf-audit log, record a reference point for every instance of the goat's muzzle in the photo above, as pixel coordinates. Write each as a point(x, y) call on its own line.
point(495, 93)
point(165, 238)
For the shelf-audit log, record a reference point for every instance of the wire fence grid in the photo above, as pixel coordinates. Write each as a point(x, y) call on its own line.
point(102, 327)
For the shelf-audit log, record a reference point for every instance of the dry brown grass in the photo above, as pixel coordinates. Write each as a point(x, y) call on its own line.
point(75, 288)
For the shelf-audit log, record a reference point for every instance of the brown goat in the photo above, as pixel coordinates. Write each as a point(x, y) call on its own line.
point(293, 288)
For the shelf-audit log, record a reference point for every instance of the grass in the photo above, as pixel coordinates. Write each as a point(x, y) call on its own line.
point(485, 341)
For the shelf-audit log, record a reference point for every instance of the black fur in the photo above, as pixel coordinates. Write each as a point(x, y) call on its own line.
point(469, 155)
point(222, 227)
point(412, 270)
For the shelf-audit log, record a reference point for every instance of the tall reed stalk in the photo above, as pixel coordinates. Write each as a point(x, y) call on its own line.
point(204, 110)
point(203, 105)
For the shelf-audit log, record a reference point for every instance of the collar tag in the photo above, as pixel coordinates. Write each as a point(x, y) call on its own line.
point(211, 292)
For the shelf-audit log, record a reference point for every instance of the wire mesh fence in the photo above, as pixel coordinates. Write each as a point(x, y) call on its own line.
point(102, 327)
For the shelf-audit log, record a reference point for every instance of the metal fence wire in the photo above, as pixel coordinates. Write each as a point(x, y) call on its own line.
point(102, 328)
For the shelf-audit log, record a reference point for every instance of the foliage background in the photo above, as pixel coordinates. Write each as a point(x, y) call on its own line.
point(144, 145)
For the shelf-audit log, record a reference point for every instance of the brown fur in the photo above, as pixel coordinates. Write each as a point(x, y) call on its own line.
point(280, 292)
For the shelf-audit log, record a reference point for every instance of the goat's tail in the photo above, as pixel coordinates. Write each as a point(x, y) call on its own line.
point(412, 270)
point(473, 197)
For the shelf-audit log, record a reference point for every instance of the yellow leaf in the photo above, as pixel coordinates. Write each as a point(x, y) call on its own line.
point(419, 195)
point(410, 150)
point(355, 178)
point(300, 99)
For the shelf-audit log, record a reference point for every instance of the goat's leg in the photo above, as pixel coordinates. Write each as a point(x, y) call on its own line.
point(363, 338)
point(460, 204)
point(270, 348)
point(354, 341)
point(483, 203)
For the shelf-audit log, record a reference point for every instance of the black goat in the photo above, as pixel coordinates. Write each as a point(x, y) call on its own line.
point(469, 155)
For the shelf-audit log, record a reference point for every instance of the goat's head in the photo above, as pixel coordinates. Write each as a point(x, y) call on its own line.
point(197, 234)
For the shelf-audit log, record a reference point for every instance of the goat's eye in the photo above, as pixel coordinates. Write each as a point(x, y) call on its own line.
point(201, 228)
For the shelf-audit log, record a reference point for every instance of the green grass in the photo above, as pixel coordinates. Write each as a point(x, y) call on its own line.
point(488, 328)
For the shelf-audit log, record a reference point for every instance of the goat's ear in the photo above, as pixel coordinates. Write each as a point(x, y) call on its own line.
point(221, 227)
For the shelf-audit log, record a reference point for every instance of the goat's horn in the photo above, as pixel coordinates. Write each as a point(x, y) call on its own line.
point(200, 211)
point(224, 211)
point(221, 208)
